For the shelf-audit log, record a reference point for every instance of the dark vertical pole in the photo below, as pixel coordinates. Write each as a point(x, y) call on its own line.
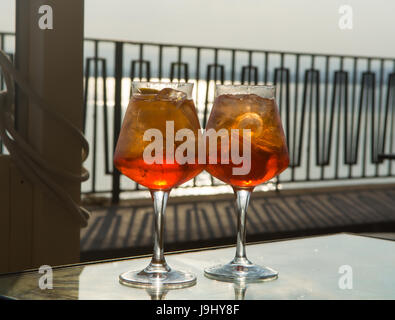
point(86, 92)
point(352, 116)
point(249, 66)
point(179, 65)
point(293, 152)
point(105, 116)
point(117, 114)
point(279, 104)
point(197, 106)
point(160, 62)
point(140, 62)
point(197, 77)
point(392, 125)
point(266, 66)
point(379, 137)
point(215, 66)
point(233, 66)
point(324, 150)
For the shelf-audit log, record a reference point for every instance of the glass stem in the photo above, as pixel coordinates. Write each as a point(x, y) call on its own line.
point(158, 262)
point(242, 201)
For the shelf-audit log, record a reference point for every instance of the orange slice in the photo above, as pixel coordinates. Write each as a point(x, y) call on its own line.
point(249, 120)
point(148, 91)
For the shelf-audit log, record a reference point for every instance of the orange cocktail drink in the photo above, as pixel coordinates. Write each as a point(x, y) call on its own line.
point(152, 109)
point(160, 116)
point(268, 153)
point(251, 125)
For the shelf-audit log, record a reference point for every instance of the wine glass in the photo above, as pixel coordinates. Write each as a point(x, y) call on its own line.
point(146, 152)
point(248, 117)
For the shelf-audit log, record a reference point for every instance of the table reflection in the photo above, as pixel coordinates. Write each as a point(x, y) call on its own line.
point(157, 293)
point(309, 269)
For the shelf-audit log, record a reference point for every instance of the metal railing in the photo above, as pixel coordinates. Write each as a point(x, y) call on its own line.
point(338, 111)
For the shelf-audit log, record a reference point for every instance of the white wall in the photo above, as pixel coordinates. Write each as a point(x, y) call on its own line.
point(291, 25)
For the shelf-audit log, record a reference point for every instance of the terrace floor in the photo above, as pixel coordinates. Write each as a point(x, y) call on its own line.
point(195, 222)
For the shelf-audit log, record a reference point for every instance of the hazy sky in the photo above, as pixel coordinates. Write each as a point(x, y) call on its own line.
point(289, 25)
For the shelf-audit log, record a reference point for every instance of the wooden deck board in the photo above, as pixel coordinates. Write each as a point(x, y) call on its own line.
point(126, 229)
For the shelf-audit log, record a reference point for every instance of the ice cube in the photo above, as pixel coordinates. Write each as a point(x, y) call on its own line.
point(225, 109)
point(175, 96)
point(249, 120)
point(271, 139)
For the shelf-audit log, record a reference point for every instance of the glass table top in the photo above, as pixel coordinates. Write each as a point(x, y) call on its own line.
point(309, 268)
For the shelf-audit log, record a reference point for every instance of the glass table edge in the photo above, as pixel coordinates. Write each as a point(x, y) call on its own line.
point(87, 263)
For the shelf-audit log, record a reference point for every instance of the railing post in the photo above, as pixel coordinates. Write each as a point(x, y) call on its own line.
point(117, 114)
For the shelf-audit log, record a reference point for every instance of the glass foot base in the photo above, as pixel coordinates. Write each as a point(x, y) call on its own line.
point(171, 279)
point(240, 272)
